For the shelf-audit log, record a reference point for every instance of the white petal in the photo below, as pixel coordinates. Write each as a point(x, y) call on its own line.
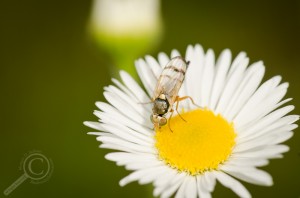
point(191, 188)
point(166, 178)
point(175, 53)
point(163, 59)
point(249, 174)
point(143, 127)
point(253, 144)
point(285, 121)
point(117, 147)
point(108, 119)
point(93, 125)
point(248, 85)
point(201, 189)
point(128, 157)
point(135, 165)
point(255, 120)
point(267, 121)
point(146, 75)
point(263, 107)
point(134, 87)
point(122, 107)
point(242, 162)
point(237, 61)
point(154, 174)
point(273, 138)
point(177, 182)
point(136, 175)
point(232, 82)
point(258, 96)
point(128, 134)
point(124, 89)
point(209, 181)
point(113, 125)
point(194, 74)
point(189, 87)
point(181, 190)
point(138, 162)
point(133, 104)
point(282, 137)
point(233, 184)
point(154, 65)
point(265, 152)
point(222, 67)
point(207, 78)
point(279, 156)
point(126, 144)
point(101, 134)
point(273, 135)
point(165, 185)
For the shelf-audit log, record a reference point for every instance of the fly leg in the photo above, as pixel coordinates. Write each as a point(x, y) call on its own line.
point(169, 120)
point(156, 126)
point(177, 105)
point(178, 99)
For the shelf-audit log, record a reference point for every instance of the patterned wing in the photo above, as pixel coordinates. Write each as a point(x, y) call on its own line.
point(171, 79)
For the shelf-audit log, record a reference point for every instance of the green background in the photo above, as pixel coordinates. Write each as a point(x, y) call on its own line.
point(52, 72)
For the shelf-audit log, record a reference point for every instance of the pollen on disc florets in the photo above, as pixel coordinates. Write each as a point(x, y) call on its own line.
point(201, 143)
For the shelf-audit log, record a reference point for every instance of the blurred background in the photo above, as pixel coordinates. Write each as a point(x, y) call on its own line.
point(56, 56)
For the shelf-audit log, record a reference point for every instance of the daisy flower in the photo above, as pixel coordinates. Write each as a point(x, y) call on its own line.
point(239, 129)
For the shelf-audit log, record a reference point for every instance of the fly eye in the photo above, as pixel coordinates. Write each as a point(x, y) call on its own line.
point(162, 121)
point(163, 108)
point(161, 111)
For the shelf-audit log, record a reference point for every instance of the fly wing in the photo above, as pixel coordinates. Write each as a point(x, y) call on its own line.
point(171, 79)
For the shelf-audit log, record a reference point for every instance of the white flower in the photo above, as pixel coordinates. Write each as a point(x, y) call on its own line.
point(241, 128)
point(130, 17)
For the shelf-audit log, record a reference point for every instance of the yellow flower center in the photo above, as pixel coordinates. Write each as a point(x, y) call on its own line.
point(196, 145)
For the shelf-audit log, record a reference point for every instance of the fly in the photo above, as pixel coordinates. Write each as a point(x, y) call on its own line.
point(166, 91)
